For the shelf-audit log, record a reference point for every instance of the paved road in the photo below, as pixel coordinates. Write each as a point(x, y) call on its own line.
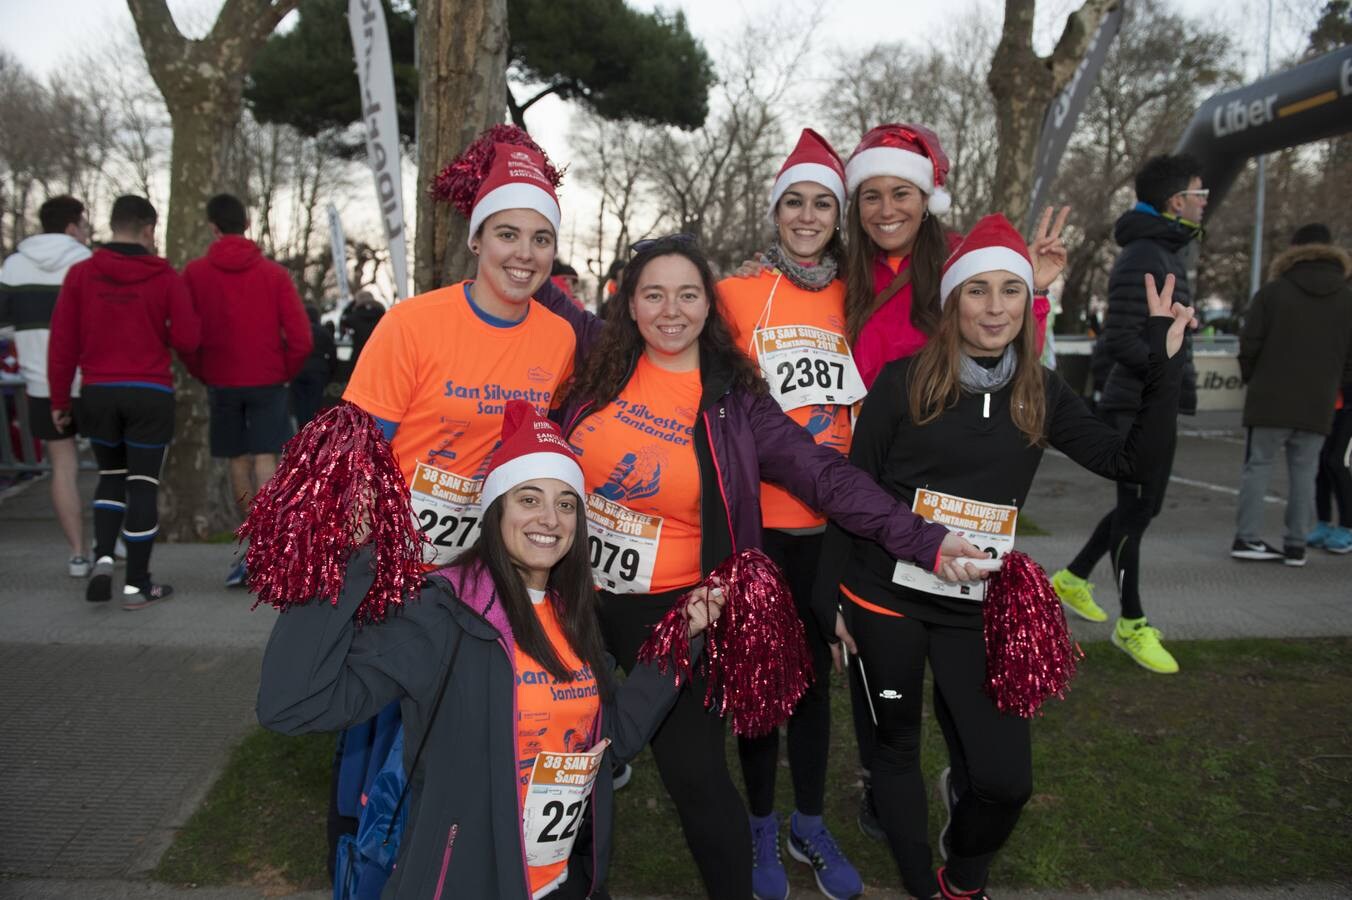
point(114, 724)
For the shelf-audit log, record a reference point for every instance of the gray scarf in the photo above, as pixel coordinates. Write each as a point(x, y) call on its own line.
point(977, 379)
point(809, 278)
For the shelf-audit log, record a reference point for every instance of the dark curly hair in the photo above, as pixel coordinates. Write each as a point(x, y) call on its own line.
point(602, 375)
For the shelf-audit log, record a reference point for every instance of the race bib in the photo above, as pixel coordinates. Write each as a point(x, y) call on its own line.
point(560, 784)
point(988, 525)
point(446, 507)
point(623, 546)
point(808, 366)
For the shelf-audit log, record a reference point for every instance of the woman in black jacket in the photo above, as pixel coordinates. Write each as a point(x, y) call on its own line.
point(958, 431)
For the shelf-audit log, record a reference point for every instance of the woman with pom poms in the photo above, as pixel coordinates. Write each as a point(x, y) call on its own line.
point(511, 713)
point(675, 428)
point(957, 430)
point(435, 367)
point(790, 320)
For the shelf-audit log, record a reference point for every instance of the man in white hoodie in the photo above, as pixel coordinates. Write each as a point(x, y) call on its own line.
point(29, 283)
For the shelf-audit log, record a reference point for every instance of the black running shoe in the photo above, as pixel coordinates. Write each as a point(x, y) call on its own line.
point(100, 587)
point(620, 775)
point(134, 598)
point(1295, 556)
point(1260, 550)
point(868, 814)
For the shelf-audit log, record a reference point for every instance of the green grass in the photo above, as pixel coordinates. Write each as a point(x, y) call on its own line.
point(1238, 771)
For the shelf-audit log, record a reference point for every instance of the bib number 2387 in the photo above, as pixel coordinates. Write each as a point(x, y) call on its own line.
point(808, 366)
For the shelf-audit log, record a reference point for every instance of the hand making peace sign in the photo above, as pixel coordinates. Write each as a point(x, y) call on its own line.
point(1046, 250)
point(1161, 303)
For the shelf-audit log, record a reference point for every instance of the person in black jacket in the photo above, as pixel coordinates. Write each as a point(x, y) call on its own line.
point(1294, 353)
point(307, 388)
point(958, 432)
point(1153, 234)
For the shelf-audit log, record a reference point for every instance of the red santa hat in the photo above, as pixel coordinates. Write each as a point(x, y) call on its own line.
point(531, 448)
point(812, 160)
point(911, 152)
point(992, 246)
point(516, 180)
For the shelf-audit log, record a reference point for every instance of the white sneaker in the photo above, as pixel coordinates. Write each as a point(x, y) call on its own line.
point(79, 567)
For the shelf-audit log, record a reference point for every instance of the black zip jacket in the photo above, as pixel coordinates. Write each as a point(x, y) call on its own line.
point(975, 451)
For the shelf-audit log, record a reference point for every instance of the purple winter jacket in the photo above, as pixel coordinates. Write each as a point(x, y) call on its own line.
point(742, 438)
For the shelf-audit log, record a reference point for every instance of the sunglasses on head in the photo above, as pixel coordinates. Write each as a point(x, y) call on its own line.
point(683, 239)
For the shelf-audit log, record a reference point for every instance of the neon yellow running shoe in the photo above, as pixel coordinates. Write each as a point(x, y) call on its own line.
point(1142, 643)
point(1078, 594)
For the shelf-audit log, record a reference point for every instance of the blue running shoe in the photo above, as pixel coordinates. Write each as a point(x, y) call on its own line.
point(238, 574)
point(836, 878)
point(769, 881)
point(1317, 539)
point(1339, 540)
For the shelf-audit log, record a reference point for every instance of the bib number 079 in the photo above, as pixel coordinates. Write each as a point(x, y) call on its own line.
point(805, 373)
point(611, 559)
point(450, 525)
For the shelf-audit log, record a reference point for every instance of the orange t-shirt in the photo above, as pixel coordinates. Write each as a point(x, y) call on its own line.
point(551, 717)
point(746, 305)
point(639, 452)
point(445, 375)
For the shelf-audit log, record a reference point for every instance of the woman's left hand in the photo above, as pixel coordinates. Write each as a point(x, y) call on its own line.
point(1161, 303)
point(704, 608)
point(1047, 251)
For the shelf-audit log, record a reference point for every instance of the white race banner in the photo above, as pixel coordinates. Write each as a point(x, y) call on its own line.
point(338, 244)
point(375, 72)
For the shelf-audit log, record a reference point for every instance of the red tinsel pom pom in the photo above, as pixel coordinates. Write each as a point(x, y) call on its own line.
point(756, 660)
point(458, 183)
point(336, 474)
point(1029, 653)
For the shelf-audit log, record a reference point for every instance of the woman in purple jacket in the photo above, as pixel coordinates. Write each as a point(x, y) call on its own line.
point(675, 429)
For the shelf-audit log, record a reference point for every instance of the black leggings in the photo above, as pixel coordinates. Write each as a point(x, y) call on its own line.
point(990, 753)
point(689, 749)
point(810, 725)
point(1121, 530)
point(1334, 481)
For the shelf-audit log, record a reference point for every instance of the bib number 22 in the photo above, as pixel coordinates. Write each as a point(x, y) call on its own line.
point(806, 372)
point(558, 815)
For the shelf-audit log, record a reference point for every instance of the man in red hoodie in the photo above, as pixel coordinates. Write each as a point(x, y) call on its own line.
point(255, 338)
point(116, 318)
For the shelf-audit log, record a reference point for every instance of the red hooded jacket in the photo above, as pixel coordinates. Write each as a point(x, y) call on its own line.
point(115, 319)
point(254, 328)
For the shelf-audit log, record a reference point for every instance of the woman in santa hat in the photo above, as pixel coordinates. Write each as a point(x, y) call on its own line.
point(897, 181)
point(512, 716)
point(957, 431)
point(675, 428)
point(436, 365)
point(790, 320)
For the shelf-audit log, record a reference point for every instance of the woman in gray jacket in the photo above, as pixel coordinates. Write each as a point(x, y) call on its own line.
point(499, 667)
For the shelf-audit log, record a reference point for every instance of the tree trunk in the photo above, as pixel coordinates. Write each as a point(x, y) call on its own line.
point(1023, 85)
point(462, 64)
point(202, 83)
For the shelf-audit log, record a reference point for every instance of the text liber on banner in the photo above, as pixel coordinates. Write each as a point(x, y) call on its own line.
point(623, 546)
point(808, 366)
point(560, 784)
point(446, 506)
point(991, 526)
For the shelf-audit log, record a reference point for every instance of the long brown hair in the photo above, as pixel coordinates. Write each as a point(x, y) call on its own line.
point(927, 262)
point(934, 385)
point(571, 591)
point(602, 375)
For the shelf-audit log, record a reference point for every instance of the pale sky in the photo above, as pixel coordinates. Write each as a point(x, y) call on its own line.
point(43, 34)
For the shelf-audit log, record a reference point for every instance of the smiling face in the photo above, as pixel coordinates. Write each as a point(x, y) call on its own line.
point(539, 523)
point(890, 211)
point(805, 218)
point(516, 251)
point(670, 307)
point(990, 312)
